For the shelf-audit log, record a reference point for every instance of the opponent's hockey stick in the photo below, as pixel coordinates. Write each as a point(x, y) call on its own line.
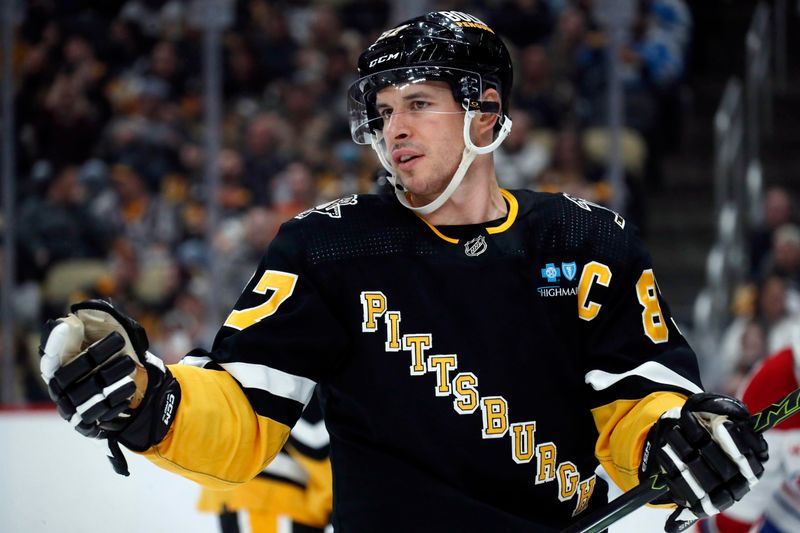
point(644, 493)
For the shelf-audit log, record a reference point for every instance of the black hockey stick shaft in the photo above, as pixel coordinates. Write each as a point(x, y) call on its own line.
point(644, 493)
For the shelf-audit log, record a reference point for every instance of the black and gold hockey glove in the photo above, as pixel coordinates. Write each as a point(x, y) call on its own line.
point(709, 453)
point(104, 381)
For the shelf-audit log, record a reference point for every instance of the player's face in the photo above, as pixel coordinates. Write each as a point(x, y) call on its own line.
point(423, 130)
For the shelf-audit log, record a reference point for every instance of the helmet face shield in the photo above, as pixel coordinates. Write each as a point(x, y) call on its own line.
point(365, 120)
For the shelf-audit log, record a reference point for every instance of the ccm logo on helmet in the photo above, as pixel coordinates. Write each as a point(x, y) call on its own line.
point(384, 58)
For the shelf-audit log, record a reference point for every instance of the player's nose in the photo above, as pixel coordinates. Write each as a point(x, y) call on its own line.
point(397, 127)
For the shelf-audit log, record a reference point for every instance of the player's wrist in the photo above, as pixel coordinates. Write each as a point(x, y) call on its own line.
point(656, 438)
point(151, 420)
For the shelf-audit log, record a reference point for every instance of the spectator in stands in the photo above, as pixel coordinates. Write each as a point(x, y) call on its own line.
point(522, 22)
point(537, 93)
point(324, 28)
point(273, 43)
point(137, 214)
point(778, 209)
point(294, 190)
point(569, 169)
point(155, 18)
point(68, 124)
point(165, 65)
point(234, 196)
point(521, 159)
point(784, 258)
point(125, 46)
point(337, 77)
point(571, 40)
point(239, 244)
point(350, 169)
point(771, 314)
point(58, 226)
point(752, 349)
point(264, 155)
point(243, 77)
point(149, 137)
point(308, 125)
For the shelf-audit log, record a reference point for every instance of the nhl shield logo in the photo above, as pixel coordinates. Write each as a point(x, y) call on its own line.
point(476, 246)
point(569, 270)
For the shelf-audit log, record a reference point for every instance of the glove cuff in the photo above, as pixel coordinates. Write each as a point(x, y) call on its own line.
point(655, 437)
point(154, 417)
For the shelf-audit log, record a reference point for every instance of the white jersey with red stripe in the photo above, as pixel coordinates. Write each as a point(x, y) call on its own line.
point(774, 504)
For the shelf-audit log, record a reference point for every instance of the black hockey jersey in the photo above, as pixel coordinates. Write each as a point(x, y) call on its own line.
point(472, 377)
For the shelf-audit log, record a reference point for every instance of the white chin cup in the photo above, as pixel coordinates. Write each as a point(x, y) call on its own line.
point(470, 151)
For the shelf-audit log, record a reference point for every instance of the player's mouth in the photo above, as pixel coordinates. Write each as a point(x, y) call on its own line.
point(405, 159)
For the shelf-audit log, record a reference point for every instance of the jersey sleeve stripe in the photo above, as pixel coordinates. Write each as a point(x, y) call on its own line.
point(193, 360)
point(278, 408)
point(311, 435)
point(601, 380)
point(272, 381)
point(317, 454)
point(275, 478)
point(283, 466)
point(236, 443)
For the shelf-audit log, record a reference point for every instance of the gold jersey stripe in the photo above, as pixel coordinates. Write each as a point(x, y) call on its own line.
point(623, 427)
point(439, 233)
point(513, 209)
point(216, 439)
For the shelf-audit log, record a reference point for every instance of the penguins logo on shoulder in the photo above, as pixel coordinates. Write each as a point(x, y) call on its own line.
point(332, 209)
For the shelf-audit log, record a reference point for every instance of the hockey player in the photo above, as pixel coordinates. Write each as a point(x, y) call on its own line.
point(292, 494)
point(478, 351)
point(774, 505)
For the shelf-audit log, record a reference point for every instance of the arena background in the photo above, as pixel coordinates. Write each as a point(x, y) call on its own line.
point(151, 148)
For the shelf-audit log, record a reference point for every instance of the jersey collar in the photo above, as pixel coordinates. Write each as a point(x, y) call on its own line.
point(513, 209)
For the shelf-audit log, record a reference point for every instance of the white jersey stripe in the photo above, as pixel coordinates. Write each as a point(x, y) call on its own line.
point(286, 467)
point(193, 360)
point(283, 384)
point(601, 380)
point(312, 435)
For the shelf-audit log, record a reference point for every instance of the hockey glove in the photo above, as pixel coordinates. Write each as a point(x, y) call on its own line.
point(709, 454)
point(104, 381)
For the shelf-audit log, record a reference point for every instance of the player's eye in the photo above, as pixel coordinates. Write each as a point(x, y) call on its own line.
point(385, 113)
point(418, 105)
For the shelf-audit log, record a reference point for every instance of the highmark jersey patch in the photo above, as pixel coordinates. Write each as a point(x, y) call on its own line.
point(461, 386)
point(556, 276)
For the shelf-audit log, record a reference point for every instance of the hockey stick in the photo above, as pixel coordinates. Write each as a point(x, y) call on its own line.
point(644, 493)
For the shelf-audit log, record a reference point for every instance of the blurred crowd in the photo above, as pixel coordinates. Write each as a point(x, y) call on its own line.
point(766, 307)
point(110, 146)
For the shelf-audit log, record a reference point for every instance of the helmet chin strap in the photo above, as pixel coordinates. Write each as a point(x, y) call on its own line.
point(467, 157)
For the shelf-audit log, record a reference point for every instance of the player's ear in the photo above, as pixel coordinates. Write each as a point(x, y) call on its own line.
point(485, 121)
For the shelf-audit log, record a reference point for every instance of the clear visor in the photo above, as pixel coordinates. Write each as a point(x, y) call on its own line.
point(365, 119)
